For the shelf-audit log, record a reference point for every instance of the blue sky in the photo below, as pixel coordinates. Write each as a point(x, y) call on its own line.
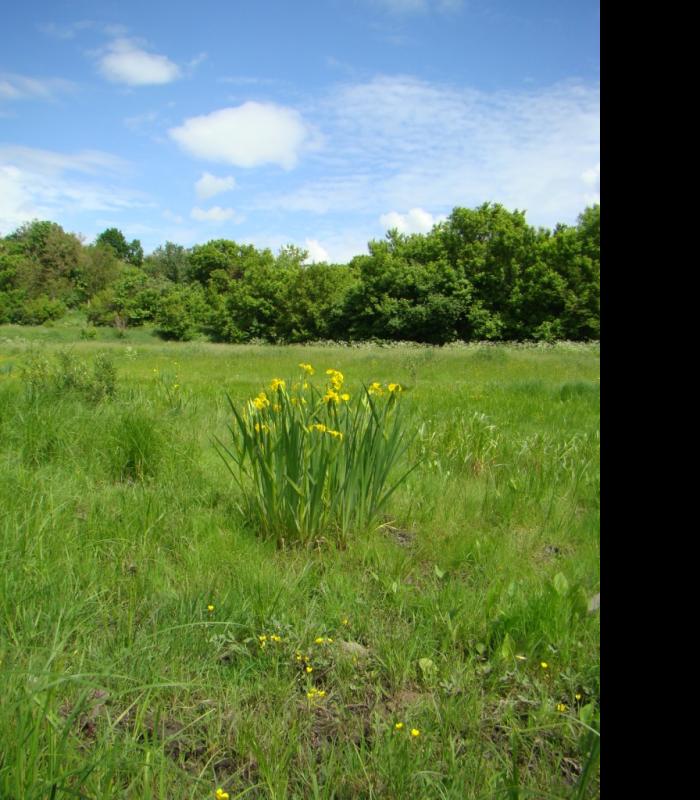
point(320, 123)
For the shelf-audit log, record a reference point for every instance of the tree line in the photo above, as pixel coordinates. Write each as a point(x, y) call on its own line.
point(482, 274)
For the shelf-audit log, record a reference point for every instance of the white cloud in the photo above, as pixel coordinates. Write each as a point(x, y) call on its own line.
point(419, 6)
point(19, 87)
point(209, 185)
point(316, 251)
point(591, 177)
point(415, 221)
point(247, 136)
point(126, 62)
point(50, 185)
point(397, 142)
point(215, 214)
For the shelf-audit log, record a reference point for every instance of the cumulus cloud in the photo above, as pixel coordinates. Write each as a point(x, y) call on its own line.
point(209, 185)
point(249, 135)
point(127, 62)
point(414, 221)
point(50, 185)
point(215, 214)
point(316, 251)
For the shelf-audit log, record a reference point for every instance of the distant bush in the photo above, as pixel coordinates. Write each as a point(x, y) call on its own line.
point(181, 312)
point(40, 310)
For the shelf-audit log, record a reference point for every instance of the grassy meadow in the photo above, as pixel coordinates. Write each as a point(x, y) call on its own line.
point(152, 645)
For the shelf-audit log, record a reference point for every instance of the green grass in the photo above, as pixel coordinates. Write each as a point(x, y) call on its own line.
point(119, 525)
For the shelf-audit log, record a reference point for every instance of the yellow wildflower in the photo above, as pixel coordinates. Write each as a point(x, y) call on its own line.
point(345, 397)
point(345, 621)
point(318, 426)
point(578, 695)
point(331, 396)
point(398, 726)
point(562, 707)
point(335, 434)
point(415, 733)
point(261, 401)
point(210, 608)
point(263, 427)
point(395, 388)
point(376, 388)
point(221, 794)
point(277, 383)
point(544, 665)
point(336, 378)
point(309, 668)
point(319, 640)
point(275, 638)
point(308, 369)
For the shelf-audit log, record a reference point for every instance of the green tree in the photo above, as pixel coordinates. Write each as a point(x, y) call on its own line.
point(171, 261)
point(49, 260)
point(130, 252)
point(114, 238)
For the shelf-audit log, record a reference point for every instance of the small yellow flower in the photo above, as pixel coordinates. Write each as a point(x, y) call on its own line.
point(345, 397)
point(221, 794)
point(309, 668)
point(308, 369)
point(544, 665)
point(331, 396)
point(562, 707)
point(345, 621)
point(395, 388)
point(318, 640)
point(275, 638)
point(210, 608)
point(336, 378)
point(261, 401)
point(277, 383)
point(398, 726)
point(578, 695)
point(376, 388)
point(415, 733)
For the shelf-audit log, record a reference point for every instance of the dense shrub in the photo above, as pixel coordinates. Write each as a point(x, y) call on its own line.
point(181, 312)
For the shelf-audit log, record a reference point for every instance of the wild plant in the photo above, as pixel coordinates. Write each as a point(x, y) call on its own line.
point(316, 464)
point(67, 374)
